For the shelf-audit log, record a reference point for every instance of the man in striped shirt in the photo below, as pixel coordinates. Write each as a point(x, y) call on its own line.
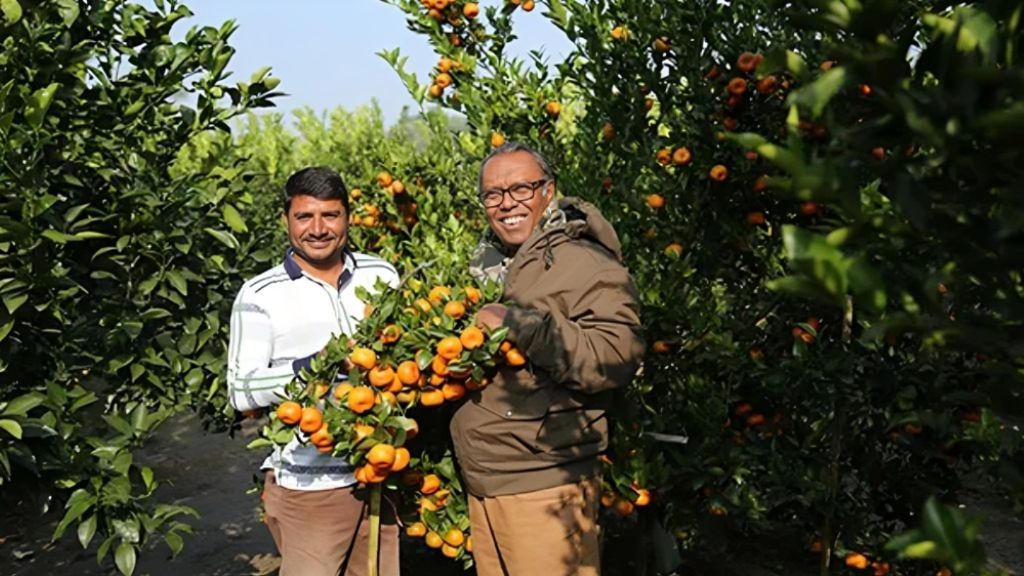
point(280, 320)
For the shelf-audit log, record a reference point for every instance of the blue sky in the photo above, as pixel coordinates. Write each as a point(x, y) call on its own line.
point(324, 51)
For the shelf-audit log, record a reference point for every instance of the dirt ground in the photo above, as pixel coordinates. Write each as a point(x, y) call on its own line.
point(211, 472)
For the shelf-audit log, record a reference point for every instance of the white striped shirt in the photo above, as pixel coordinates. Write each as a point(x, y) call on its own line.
point(279, 321)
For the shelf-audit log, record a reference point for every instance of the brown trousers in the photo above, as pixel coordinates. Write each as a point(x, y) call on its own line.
point(327, 532)
point(551, 532)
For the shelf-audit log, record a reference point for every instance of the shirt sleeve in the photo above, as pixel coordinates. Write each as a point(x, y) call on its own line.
point(252, 381)
point(595, 345)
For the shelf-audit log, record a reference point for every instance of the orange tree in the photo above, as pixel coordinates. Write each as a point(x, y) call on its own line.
point(115, 274)
point(815, 409)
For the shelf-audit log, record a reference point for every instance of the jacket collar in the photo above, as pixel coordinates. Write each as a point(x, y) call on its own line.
point(295, 271)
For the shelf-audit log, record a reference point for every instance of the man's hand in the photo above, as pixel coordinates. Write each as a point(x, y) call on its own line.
point(491, 316)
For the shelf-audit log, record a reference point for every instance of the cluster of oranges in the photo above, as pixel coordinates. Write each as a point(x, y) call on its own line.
point(451, 11)
point(625, 505)
point(450, 538)
point(443, 76)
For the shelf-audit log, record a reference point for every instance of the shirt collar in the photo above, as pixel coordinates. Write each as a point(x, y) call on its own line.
point(295, 271)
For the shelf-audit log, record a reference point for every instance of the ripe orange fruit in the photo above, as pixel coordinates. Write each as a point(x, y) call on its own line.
point(865, 89)
point(737, 86)
point(321, 437)
point(311, 420)
point(423, 304)
point(620, 33)
point(438, 294)
point(363, 357)
point(878, 152)
point(528, 6)
point(382, 376)
point(643, 497)
point(473, 294)
point(674, 248)
point(390, 334)
point(808, 208)
point(289, 412)
point(454, 537)
point(472, 338)
point(682, 156)
point(444, 64)
point(453, 392)
point(505, 346)
point(730, 123)
point(623, 506)
point(397, 187)
point(431, 483)
point(856, 560)
point(743, 408)
point(374, 475)
point(381, 456)
point(663, 156)
point(469, 544)
point(355, 193)
point(515, 358)
point(755, 420)
point(755, 218)
point(767, 84)
point(608, 499)
point(756, 354)
point(760, 184)
point(401, 459)
point(433, 540)
point(416, 530)
point(553, 109)
point(608, 131)
point(497, 139)
point(656, 201)
point(361, 399)
point(661, 44)
point(648, 103)
point(443, 79)
point(431, 397)
point(719, 173)
point(471, 10)
point(435, 91)
point(660, 347)
point(449, 348)
point(881, 568)
point(408, 373)
point(341, 390)
point(455, 309)
point(747, 62)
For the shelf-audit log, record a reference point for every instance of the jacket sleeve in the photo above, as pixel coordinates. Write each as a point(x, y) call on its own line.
point(594, 345)
point(252, 381)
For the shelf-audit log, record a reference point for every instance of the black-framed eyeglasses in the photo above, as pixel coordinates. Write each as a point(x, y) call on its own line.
point(520, 192)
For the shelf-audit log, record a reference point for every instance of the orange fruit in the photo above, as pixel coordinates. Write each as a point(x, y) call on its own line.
point(528, 6)
point(505, 346)
point(809, 208)
point(881, 568)
point(397, 187)
point(737, 86)
point(387, 397)
point(661, 44)
point(755, 218)
point(608, 131)
point(361, 399)
point(553, 109)
point(449, 348)
point(390, 334)
point(449, 551)
point(730, 123)
point(761, 183)
point(742, 409)
point(663, 156)
point(514, 357)
point(444, 64)
point(361, 475)
point(471, 10)
point(643, 497)
point(374, 475)
point(401, 459)
point(620, 33)
point(608, 499)
point(363, 358)
point(322, 437)
point(661, 347)
point(341, 390)
point(473, 294)
point(430, 484)
point(469, 544)
point(311, 420)
point(382, 376)
point(423, 304)
point(719, 173)
point(396, 386)
point(454, 537)
point(755, 419)
point(648, 103)
point(682, 156)
point(416, 530)
point(878, 152)
point(767, 84)
point(437, 380)
point(472, 338)
point(656, 201)
point(384, 179)
point(414, 431)
point(856, 560)
point(747, 62)
point(865, 89)
point(433, 540)
point(453, 392)
point(408, 373)
point(289, 412)
point(439, 294)
point(439, 366)
point(623, 506)
point(326, 448)
point(381, 456)
point(406, 398)
point(455, 309)
point(431, 397)
point(674, 248)
point(443, 80)
point(497, 139)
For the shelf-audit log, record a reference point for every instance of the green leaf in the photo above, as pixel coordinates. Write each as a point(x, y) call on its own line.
point(68, 10)
point(12, 428)
point(921, 550)
point(177, 281)
point(22, 404)
point(6, 328)
point(12, 303)
point(233, 219)
point(11, 10)
point(174, 542)
point(225, 238)
point(816, 95)
point(78, 504)
point(124, 558)
point(38, 103)
point(86, 530)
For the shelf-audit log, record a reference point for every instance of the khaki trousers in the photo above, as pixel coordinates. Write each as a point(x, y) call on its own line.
point(551, 532)
point(327, 532)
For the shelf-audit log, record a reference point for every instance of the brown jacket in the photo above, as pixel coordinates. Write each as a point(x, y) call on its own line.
point(573, 311)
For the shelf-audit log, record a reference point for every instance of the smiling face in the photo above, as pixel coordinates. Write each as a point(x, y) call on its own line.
point(512, 220)
point(317, 230)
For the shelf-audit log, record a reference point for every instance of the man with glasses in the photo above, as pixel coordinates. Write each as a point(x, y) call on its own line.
point(529, 443)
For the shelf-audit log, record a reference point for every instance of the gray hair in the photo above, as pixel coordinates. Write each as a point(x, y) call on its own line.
point(508, 148)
